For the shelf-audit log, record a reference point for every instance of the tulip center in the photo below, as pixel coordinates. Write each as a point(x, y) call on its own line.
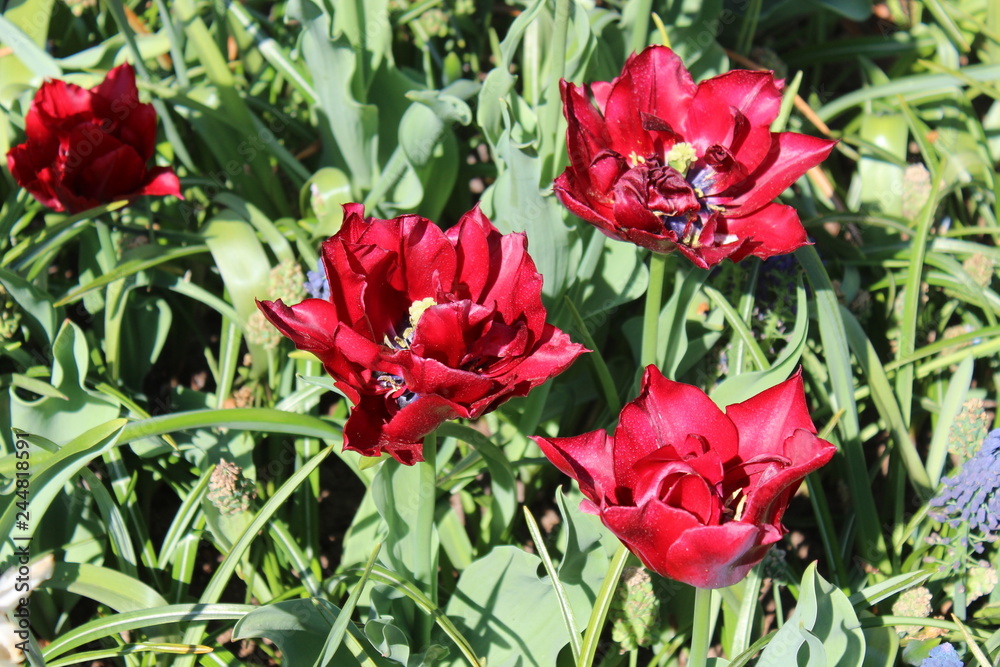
point(417, 309)
point(681, 156)
point(394, 386)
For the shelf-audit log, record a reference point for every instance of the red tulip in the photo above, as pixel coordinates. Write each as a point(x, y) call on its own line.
point(666, 164)
point(90, 147)
point(695, 493)
point(423, 326)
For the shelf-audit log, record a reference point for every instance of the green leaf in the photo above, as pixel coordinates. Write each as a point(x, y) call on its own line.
point(738, 388)
point(106, 586)
point(875, 593)
point(298, 627)
point(323, 195)
point(404, 496)
point(502, 480)
point(823, 630)
point(336, 635)
point(509, 614)
point(334, 66)
point(564, 608)
point(135, 260)
point(42, 314)
point(49, 477)
point(25, 35)
point(134, 620)
point(958, 388)
point(56, 418)
point(224, 572)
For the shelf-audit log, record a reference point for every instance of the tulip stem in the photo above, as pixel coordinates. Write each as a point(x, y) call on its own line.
point(700, 638)
point(592, 636)
point(651, 316)
point(427, 566)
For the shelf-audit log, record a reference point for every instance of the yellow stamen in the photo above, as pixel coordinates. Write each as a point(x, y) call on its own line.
point(681, 156)
point(417, 309)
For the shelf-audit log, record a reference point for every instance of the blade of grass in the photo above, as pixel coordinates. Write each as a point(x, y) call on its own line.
point(220, 578)
point(146, 618)
point(838, 365)
point(885, 403)
point(550, 569)
point(336, 635)
point(592, 635)
point(954, 397)
point(407, 588)
point(600, 367)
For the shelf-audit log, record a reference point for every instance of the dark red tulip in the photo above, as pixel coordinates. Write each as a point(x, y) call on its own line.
point(695, 493)
point(666, 164)
point(423, 325)
point(90, 147)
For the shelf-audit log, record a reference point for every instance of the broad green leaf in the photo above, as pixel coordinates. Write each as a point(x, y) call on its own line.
point(405, 497)
point(299, 628)
point(334, 66)
point(620, 276)
point(509, 614)
point(323, 195)
point(24, 29)
point(881, 180)
point(245, 270)
point(823, 630)
point(57, 418)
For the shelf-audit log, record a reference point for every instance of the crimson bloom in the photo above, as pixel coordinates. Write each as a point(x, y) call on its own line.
point(663, 163)
point(695, 493)
point(423, 325)
point(90, 147)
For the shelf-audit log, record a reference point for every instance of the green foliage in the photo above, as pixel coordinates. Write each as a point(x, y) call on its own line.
point(133, 358)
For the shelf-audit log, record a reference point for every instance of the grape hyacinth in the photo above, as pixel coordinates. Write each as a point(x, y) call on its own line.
point(317, 286)
point(943, 655)
point(972, 496)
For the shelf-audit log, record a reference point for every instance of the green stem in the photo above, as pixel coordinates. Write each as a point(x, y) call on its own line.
point(427, 567)
point(651, 316)
point(592, 636)
point(700, 637)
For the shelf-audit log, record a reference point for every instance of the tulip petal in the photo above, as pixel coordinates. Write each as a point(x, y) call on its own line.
point(770, 231)
point(551, 354)
point(475, 245)
point(717, 556)
point(650, 530)
point(587, 459)
point(309, 324)
point(586, 131)
point(654, 81)
point(791, 155)
point(765, 420)
point(371, 430)
point(161, 181)
point(711, 118)
point(768, 497)
point(665, 413)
